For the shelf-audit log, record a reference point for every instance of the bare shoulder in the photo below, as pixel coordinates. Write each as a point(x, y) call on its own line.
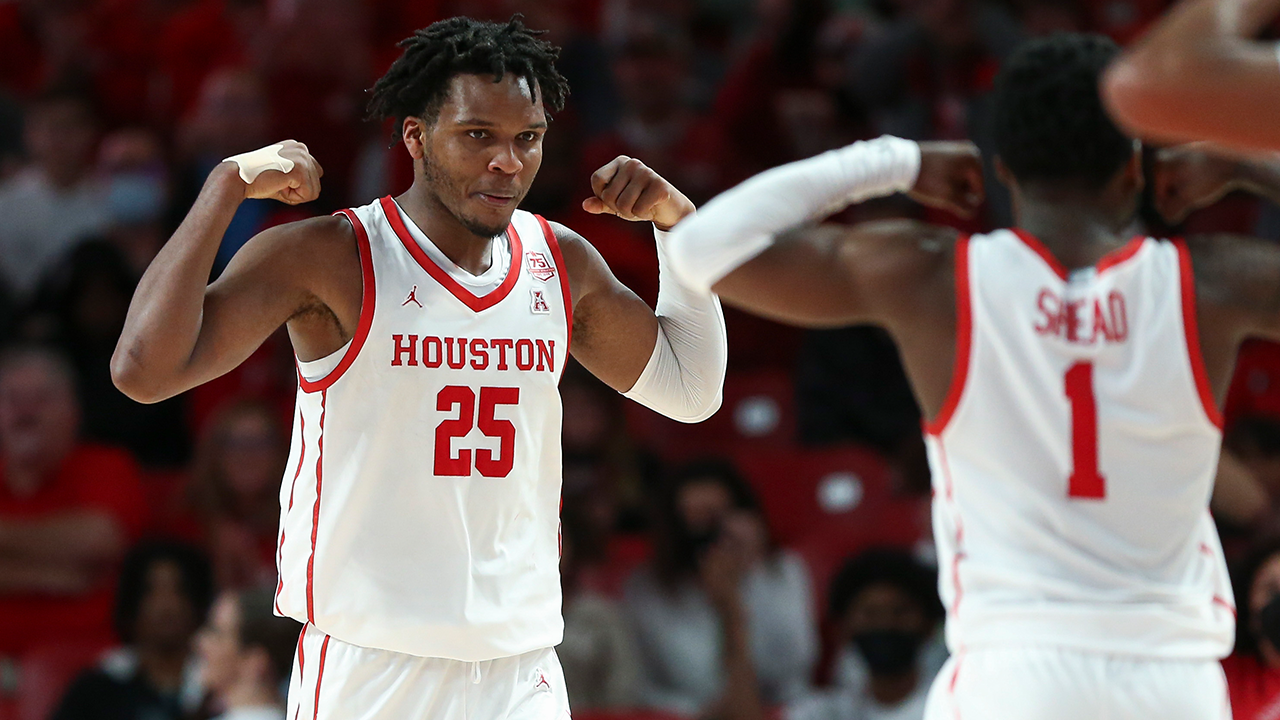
point(587, 270)
point(1236, 271)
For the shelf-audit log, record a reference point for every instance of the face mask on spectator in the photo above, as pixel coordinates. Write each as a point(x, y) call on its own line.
point(888, 652)
point(136, 198)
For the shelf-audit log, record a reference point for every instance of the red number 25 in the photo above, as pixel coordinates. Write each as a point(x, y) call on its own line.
point(464, 398)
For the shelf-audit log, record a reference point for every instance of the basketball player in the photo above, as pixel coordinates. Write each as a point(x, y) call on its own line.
point(419, 513)
point(1070, 373)
point(1200, 75)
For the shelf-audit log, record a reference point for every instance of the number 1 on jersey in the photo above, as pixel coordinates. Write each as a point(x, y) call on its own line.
point(1085, 481)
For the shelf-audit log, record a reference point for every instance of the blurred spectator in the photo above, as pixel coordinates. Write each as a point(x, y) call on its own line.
point(164, 595)
point(234, 491)
point(928, 74)
point(248, 655)
point(850, 385)
point(55, 200)
point(716, 581)
point(657, 122)
point(598, 654)
point(885, 609)
point(232, 115)
point(203, 37)
point(67, 509)
point(1253, 671)
point(81, 306)
point(138, 194)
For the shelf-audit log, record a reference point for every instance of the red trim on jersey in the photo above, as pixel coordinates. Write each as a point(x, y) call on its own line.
point(1107, 262)
point(368, 298)
point(1191, 330)
point(301, 670)
point(964, 340)
point(315, 515)
point(564, 285)
point(951, 686)
point(1217, 600)
point(302, 454)
point(315, 706)
point(954, 610)
point(468, 298)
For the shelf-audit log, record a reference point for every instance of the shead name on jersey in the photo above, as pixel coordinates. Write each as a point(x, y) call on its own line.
point(1083, 321)
point(521, 354)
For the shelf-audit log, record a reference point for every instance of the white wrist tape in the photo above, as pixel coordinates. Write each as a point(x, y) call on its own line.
point(253, 163)
point(741, 222)
point(684, 378)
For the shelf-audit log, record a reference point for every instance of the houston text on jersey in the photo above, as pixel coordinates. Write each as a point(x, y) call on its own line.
point(430, 351)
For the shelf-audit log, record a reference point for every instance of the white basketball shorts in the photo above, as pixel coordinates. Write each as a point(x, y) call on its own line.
point(1036, 683)
point(334, 680)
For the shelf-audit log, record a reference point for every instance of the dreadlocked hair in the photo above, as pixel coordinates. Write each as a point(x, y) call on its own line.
point(418, 81)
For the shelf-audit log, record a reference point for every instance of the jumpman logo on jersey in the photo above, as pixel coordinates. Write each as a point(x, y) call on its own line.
point(542, 681)
point(413, 298)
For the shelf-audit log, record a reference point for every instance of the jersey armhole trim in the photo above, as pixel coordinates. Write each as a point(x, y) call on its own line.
point(556, 255)
point(1191, 331)
point(964, 340)
point(369, 296)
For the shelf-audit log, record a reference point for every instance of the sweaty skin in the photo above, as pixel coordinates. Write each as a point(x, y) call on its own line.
point(473, 165)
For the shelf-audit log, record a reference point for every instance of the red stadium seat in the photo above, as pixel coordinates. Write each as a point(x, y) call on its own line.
point(802, 489)
point(758, 409)
point(897, 522)
point(45, 672)
point(639, 714)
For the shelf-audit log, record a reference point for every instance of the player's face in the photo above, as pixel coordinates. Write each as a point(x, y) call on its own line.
point(482, 153)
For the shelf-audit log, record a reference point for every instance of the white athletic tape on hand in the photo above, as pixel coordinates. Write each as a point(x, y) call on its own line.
point(253, 163)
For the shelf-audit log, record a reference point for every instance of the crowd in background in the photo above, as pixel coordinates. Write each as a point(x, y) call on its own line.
point(772, 562)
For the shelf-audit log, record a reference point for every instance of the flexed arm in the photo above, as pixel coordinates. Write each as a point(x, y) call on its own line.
point(1199, 75)
point(181, 331)
point(757, 247)
point(670, 359)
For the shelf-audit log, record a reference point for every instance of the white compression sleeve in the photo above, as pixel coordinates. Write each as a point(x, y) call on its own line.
point(740, 223)
point(684, 378)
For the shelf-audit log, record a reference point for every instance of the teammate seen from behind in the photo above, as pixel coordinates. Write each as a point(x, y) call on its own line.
point(1071, 374)
point(419, 510)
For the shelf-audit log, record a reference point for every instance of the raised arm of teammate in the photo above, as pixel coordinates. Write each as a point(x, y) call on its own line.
point(671, 359)
point(1199, 75)
point(182, 331)
point(757, 246)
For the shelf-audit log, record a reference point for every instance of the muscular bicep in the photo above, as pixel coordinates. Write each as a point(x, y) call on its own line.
point(277, 276)
point(614, 331)
point(833, 276)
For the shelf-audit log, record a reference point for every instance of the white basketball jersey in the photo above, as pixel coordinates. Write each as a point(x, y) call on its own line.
point(420, 506)
point(1075, 456)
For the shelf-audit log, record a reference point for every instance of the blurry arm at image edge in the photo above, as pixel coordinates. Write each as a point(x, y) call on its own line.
point(1198, 75)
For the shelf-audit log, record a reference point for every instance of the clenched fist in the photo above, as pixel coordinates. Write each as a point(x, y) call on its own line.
point(950, 177)
point(631, 190)
point(299, 185)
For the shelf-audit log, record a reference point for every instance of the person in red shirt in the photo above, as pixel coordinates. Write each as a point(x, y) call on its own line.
point(68, 510)
point(1253, 670)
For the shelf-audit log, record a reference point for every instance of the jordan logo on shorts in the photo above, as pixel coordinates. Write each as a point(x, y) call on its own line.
point(413, 298)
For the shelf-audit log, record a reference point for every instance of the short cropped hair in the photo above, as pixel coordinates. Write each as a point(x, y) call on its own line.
point(1050, 125)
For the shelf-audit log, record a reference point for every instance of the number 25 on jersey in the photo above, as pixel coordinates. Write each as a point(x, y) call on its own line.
point(464, 399)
